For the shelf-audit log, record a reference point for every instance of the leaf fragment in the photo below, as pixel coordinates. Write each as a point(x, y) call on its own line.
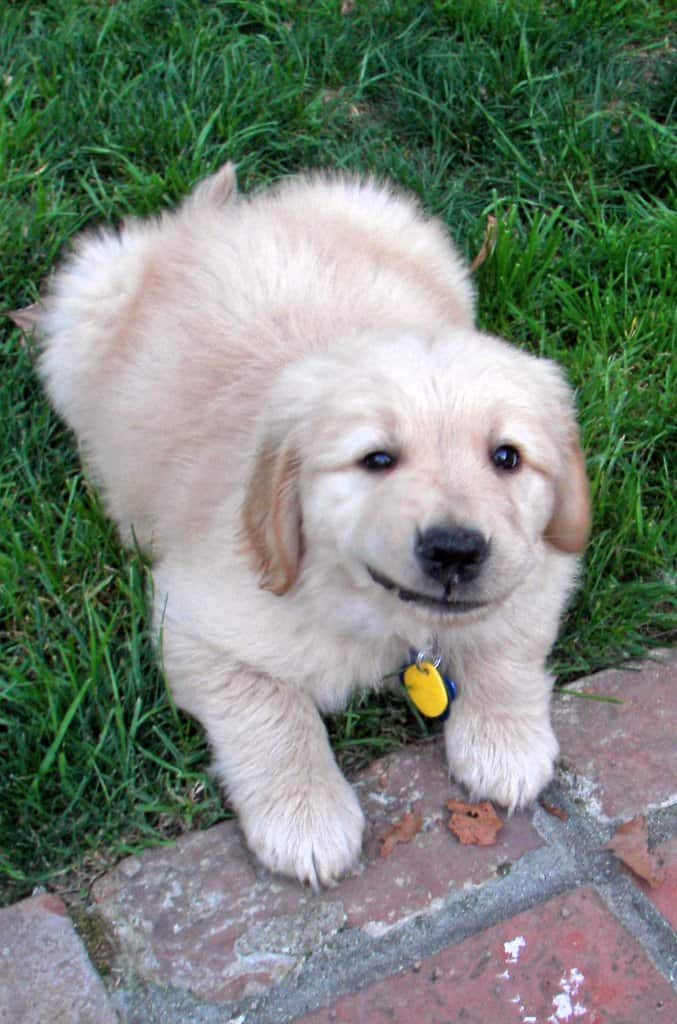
point(488, 245)
point(403, 832)
point(631, 845)
point(474, 824)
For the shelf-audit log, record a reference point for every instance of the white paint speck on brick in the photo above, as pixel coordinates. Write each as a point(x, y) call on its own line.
point(563, 1008)
point(514, 948)
point(565, 1003)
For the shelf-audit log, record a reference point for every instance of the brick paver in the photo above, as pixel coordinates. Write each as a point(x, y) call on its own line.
point(625, 756)
point(566, 961)
point(45, 974)
point(434, 864)
point(202, 915)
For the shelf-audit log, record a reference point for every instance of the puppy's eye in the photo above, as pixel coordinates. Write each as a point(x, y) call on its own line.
point(506, 457)
point(376, 462)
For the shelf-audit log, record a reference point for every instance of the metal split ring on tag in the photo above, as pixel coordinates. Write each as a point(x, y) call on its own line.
point(422, 658)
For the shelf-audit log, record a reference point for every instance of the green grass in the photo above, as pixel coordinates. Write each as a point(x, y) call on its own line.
point(555, 117)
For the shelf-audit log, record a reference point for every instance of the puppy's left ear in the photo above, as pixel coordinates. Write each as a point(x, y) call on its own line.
point(271, 517)
point(569, 526)
point(27, 319)
point(217, 190)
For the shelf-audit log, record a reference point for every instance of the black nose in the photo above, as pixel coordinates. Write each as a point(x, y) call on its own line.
point(451, 554)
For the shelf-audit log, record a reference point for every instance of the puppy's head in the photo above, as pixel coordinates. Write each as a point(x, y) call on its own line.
point(429, 474)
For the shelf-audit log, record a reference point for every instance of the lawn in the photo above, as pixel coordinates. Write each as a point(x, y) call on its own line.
point(554, 117)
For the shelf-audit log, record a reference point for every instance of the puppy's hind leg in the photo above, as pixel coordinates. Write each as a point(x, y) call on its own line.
point(298, 813)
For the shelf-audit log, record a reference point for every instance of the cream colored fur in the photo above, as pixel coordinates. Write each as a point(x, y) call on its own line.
point(225, 369)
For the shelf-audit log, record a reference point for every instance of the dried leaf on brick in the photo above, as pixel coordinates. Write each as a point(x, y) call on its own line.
point(403, 832)
point(474, 824)
point(631, 845)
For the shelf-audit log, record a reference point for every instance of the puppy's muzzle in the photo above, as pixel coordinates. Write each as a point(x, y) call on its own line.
point(451, 555)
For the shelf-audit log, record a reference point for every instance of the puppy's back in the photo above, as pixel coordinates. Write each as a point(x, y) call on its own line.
point(160, 341)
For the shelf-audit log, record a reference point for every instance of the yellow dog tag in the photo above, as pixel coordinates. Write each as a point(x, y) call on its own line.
point(430, 692)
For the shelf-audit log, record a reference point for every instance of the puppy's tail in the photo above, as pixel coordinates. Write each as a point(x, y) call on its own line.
point(90, 318)
point(89, 303)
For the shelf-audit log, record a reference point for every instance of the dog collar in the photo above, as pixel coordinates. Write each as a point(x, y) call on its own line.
point(430, 691)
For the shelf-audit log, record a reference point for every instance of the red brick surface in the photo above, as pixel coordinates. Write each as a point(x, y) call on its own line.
point(434, 863)
point(179, 911)
point(201, 915)
point(566, 961)
point(627, 753)
point(45, 974)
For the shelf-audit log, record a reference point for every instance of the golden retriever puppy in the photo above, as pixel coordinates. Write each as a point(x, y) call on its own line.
point(285, 400)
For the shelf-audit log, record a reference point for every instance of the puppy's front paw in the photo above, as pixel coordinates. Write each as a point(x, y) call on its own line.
point(507, 760)
point(313, 834)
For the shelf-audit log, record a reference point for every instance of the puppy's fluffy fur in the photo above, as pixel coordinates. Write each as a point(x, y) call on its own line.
point(226, 370)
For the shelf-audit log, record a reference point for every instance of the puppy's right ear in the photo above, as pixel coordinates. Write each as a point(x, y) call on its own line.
point(217, 190)
point(271, 517)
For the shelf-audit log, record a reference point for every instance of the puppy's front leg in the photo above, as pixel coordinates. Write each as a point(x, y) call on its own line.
point(499, 739)
point(298, 813)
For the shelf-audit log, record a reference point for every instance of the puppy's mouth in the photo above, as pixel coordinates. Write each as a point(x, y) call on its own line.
point(447, 603)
